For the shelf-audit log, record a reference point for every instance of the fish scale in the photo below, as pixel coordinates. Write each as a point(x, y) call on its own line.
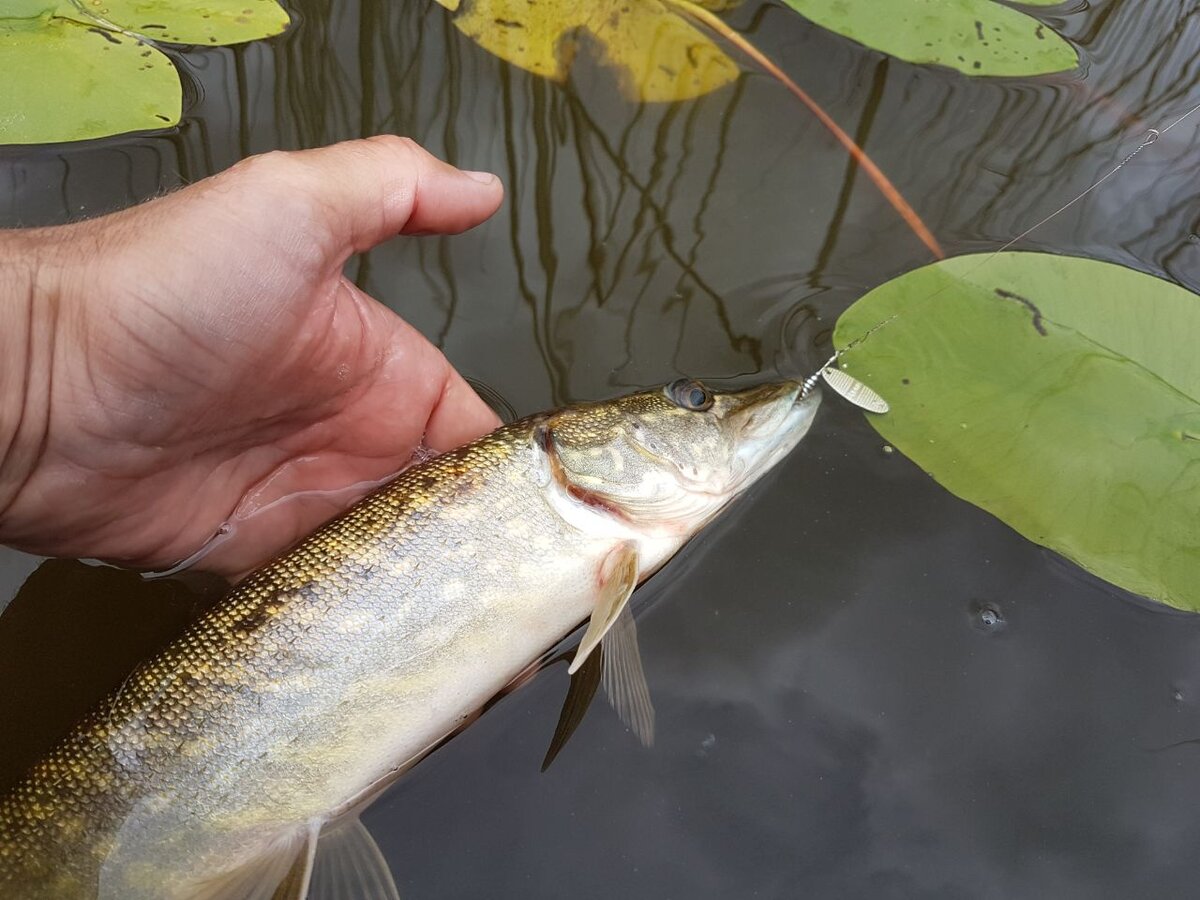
point(328, 671)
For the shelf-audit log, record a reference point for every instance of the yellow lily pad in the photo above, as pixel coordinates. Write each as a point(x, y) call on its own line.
point(656, 54)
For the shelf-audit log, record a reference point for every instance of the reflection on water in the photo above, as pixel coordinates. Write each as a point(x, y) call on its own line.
point(836, 716)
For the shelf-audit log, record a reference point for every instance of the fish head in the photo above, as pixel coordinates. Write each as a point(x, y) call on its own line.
point(676, 455)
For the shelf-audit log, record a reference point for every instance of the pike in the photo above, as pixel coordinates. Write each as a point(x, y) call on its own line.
point(233, 763)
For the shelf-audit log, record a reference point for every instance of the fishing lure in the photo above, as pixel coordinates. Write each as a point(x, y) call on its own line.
point(853, 390)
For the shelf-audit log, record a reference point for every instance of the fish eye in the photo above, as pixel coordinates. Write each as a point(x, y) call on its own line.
point(688, 394)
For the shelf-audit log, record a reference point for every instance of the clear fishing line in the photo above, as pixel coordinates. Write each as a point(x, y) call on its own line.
point(839, 381)
point(864, 397)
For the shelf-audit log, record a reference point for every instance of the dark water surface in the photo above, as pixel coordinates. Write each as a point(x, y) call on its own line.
point(865, 687)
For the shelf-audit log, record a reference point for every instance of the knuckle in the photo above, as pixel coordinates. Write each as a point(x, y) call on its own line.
point(398, 144)
point(280, 180)
point(264, 161)
point(271, 167)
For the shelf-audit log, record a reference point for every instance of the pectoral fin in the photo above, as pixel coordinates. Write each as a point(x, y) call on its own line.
point(608, 655)
point(624, 681)
point(617, 665)
point(280, 872)
point(341, 862)
point(618, 578)
point(350, 866)
point(294, 885)
point(579, 697)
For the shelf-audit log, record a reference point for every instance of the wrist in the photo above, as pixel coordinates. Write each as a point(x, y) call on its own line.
point(30, 302)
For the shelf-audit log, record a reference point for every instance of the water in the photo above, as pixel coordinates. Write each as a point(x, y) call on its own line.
point(865, 687)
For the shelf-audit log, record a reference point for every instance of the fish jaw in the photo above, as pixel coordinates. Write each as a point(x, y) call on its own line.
point(662, 470)
point(789, 418)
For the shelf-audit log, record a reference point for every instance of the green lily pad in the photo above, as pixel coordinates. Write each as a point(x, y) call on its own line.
point(976, 37)
point(74, 71)
point(1062, 395)
point(27, 9)
point(66, 82)
point(208, 23)
point(656, 54)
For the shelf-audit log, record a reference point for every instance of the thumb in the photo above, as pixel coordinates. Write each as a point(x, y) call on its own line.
point(366, 191)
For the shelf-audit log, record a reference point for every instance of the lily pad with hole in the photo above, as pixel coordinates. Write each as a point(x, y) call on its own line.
point(656, 54)
point(976, 37)
point(1062, 395)
point(74, 71)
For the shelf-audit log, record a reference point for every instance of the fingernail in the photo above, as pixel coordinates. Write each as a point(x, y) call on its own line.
point(481, 177)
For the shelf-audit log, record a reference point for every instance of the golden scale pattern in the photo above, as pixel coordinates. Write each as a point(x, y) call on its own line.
point(82, 784)
point(178, 703)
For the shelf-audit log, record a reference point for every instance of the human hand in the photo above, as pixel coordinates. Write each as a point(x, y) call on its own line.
point(204, 351)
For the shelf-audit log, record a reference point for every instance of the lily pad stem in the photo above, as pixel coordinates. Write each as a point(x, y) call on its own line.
point(889, 190)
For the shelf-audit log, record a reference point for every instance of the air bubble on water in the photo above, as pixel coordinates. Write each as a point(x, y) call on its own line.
point(987, 617)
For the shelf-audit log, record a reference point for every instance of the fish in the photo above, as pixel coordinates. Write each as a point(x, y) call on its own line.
point(234, 762)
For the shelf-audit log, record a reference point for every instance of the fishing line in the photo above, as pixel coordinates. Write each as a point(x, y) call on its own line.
point(1151, 137)
point(857, 392)
point(338, 497)
point(842, 382)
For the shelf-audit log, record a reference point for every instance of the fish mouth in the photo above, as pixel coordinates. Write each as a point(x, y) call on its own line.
point(776, 423)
